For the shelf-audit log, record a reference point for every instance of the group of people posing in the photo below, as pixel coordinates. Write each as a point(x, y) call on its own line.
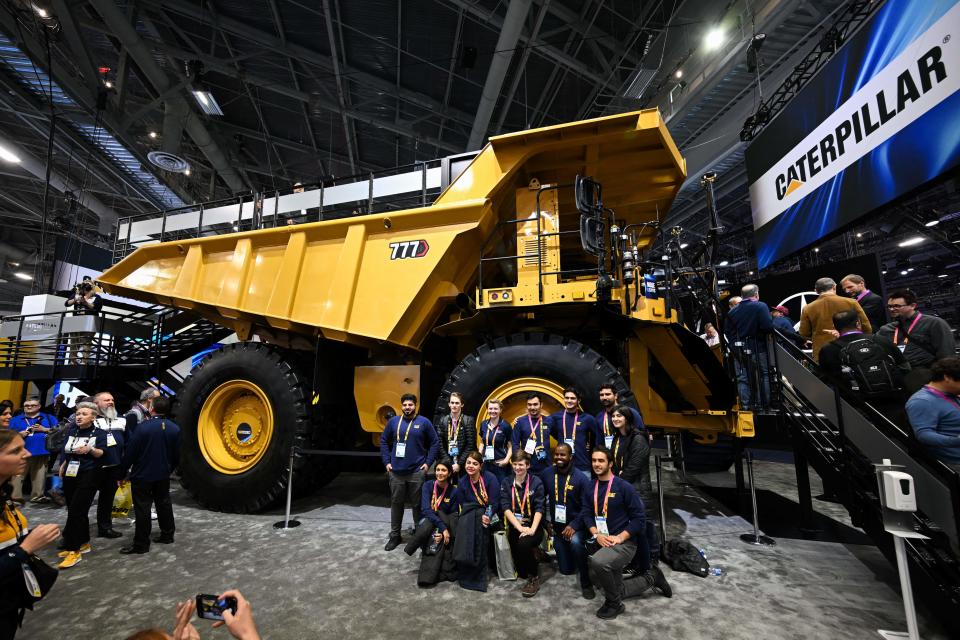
point(591, 493)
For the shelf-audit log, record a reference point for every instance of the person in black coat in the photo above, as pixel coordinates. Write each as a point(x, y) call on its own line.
point(478, 496)
point(872, 304)
point(438, 505)
point(523, 504)
point(457, 433)
point(151, 455)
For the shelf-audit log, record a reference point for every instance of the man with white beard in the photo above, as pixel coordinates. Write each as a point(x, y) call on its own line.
point(111, 473)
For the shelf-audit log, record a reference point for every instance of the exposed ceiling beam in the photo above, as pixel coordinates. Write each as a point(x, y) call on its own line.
point(141, 54)
point(499, 64)
point(310, 56)
point(343, 97)
point(521, 67)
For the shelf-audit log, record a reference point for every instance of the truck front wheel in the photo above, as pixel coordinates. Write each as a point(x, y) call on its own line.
point(240, 411)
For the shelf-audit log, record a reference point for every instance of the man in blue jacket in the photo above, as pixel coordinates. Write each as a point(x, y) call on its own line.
point(567, 491)
point(576, 428)
point(33, 425)
point(408, 446)
point(151, 454)
point(748, 325)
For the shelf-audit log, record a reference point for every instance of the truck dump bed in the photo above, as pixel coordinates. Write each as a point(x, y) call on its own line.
point(386, 277)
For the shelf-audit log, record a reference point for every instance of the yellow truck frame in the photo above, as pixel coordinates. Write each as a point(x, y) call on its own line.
point(491, 290)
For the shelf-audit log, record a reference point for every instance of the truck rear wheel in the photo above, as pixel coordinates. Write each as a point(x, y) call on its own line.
point(509, 367)
point(240, 411)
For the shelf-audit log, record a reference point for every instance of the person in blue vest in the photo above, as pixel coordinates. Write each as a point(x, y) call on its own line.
point(33, 425)
point(576, 428)
point(496, 442)
point(566, 492)
point(408, 446)
point(151, 455)
point(531, 433)
point(609, 398)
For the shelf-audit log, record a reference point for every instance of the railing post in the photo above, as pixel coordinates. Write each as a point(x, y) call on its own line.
point(276, 206)
point(320, 213)
point(756, 537)
point(200, 222)
point(370, 195)
point(163, 225)
point(126, 247)
point(423, 185)
point(287, 523)
point(239, 211)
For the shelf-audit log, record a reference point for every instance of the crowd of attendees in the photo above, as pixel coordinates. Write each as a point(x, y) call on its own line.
point(904, 364)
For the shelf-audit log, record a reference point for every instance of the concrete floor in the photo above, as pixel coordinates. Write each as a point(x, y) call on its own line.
point(330, 578)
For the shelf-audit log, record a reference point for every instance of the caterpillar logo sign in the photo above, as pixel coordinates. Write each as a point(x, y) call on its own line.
point(408, 249)
point(871, 126)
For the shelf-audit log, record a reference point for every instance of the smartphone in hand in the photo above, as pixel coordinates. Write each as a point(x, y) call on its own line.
point(210, 607)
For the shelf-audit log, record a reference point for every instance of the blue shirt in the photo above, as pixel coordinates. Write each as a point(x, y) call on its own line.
point(523, 429)
point(497, 437)
point(488, 491)
point(624, 508)
point(448, 502)
point(574, 497)
point(749, 320)
point(420, 438)
point(562, 428)
point(36, 442)
point(936, 423)
point(153, 451)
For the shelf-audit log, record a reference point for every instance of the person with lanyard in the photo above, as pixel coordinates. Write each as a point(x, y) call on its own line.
point(615, 518)
point(934, 412)
point(408, 446)
point(111, 473)
point(921, 337)
point(847, 324)
point(438, 508)
point(496, 442)
point(566, 492)
point(523, 504)
point(435, 533)
point(17, 541)
point(33, 425)
point(609, 398)
point(631, 462)
point(575, 428)
point(478, 498)
point(856, 287)
point(458, 434)
point(532, 434)
point(79, 466)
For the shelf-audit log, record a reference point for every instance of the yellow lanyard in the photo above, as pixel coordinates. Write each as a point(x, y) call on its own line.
point(616, 447)
point(400, 427)
point(453, 429)
point(563, 422)
point(525, 501)
point(606, 426)
point(556, 488)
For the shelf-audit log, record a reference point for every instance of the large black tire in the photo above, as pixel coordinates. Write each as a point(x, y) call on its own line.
point(266, 482)
point(564, 361)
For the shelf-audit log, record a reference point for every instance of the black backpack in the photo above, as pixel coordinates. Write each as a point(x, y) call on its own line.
point(683, 556)
point(868, 368)
point(57, 437)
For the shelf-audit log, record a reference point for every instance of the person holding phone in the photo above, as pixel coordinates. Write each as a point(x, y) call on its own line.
point(239, 622)
point(496, 442)
point(79, 467)
point(478, 496)
point(33, 425)
point(15, 547)
point(523, 506)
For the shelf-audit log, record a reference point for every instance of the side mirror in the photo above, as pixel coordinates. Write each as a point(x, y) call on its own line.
point(587, 194)
point(592, 225)
point(592, 231)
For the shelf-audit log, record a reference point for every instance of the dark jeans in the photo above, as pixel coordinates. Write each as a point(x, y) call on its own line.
point(522, 550)
point(572, 555)
point(753, 374)
point(107, 479)
point(78, 492)
point(147, 493)
point(404, 489)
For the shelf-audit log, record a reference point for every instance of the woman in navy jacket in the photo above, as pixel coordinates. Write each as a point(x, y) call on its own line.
point(478, 496)
point(523, 504)
point(438, 506)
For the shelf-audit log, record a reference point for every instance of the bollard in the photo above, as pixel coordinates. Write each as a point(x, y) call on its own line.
point(287, 523)
point(756, 537)
point(663, 517)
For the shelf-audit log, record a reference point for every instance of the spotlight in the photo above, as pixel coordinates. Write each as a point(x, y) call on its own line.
point(9, 156)
point(724, 263)
point(153, 135)
point(22, 275)
point(933, 223)
point(678, 74)
point(816, 249)
point(186, 172)
point(108, 84)
point(859, 235)
point(714, 39)
point(911, 242)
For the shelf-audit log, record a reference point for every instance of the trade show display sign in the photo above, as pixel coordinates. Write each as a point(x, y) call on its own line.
point(881, 118)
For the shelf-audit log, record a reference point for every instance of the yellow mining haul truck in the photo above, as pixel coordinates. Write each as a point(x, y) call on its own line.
point(520, 276)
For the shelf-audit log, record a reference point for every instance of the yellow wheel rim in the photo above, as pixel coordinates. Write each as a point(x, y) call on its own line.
point(235, 426)
point(513, 395)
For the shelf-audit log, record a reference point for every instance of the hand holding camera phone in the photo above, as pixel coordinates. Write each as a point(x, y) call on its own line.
point(211, 607)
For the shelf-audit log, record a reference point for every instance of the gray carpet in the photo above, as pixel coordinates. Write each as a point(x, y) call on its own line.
point(330, 578)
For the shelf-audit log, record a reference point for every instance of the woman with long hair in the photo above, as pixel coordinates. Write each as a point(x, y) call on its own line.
point(435, 532)
point(17, 542)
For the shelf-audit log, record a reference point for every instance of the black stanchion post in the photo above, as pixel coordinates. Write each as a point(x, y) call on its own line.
point(287, 523)
point(756, 537)
point(663, 517)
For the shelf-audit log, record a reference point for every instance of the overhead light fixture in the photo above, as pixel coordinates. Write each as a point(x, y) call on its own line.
point(186, 171)
point(153, 135)
point(884, 272)
point(816, 249)
point(750, 273)
point(911, 242)
point(108, 84)
point(8, 156)
point(724, 263)
point(678, 74)
point(721, 282)
point(904, 272)
point(684, 245)
point(942, 275)
point(910, 269)
point(714, 39)
point(22, 275)
point(43, 13)
point(933, 223)
point(208, 104)
point(859, 235)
